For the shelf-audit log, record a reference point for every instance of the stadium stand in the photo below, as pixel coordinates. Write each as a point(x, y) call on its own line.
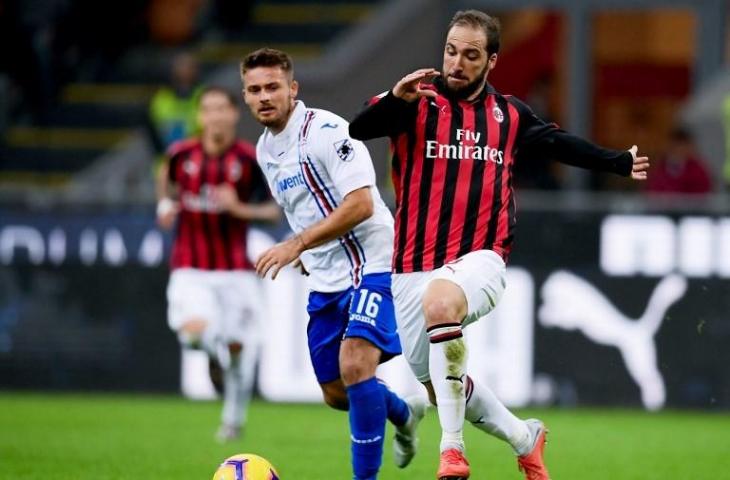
point(93, 113)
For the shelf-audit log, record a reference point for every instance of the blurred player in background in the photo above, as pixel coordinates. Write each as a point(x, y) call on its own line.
point(213, 187)
point(325, 182)
point(455, 142)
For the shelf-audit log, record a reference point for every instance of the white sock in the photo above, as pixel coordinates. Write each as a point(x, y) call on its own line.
point(238, 387)
point(488, 414)
point(447, 366)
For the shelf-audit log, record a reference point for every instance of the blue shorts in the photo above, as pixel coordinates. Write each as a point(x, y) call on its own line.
point(364, 312)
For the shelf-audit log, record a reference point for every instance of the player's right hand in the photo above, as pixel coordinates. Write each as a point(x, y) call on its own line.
point(167, 211)
point(279, 256)
point(409, 87)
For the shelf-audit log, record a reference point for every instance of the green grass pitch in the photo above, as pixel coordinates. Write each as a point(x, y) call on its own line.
point(110, 437)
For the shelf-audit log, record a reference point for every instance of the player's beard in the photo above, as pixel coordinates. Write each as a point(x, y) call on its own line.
point(469, 89)
point(279, 122)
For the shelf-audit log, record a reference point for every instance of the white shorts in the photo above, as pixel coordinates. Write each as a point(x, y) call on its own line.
point(480, 275)
point(228, 300)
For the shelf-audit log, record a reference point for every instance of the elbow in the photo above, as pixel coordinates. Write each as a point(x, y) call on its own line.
point(275, 215)
point(366, 210)
point(358, 206)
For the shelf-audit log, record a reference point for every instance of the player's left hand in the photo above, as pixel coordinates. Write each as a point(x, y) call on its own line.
point(641, 164)
point(279, 256)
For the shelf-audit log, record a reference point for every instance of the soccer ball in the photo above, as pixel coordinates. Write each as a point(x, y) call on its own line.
point(246, 466)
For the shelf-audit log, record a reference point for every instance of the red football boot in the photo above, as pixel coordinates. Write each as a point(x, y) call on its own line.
point(532, 464)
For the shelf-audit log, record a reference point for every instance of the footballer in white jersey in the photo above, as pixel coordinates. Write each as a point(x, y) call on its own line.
point(325, 182)
point(311, 166)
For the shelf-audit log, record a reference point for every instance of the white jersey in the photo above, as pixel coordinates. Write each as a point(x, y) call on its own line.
point(310, 167)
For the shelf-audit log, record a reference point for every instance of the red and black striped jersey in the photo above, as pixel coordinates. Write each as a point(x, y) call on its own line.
point(452, 169)
point(207, 238)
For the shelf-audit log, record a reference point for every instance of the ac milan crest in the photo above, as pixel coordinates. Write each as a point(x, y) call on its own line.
point(498, 115)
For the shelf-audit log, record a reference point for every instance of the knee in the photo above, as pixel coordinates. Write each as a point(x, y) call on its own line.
point(439, 311)
point(190, 333)
point(358, 360)
point(194, 326)
point(354, 371)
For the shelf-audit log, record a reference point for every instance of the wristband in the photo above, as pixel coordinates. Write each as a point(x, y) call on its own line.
point(164, 206)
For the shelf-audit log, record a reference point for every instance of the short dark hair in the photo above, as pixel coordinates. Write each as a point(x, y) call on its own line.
point(267, 57)
point(479, 19)
point(232, 98)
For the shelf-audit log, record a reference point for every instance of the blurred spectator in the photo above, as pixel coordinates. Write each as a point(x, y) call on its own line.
point(539, 172)
point(680, 169)
point(27, 33)
point(173, 109)
point(49, 42)
point(93, 35)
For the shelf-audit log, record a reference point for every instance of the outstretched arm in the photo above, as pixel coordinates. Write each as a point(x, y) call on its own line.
point(578, 152)
point(356, 207)
point(539, 138)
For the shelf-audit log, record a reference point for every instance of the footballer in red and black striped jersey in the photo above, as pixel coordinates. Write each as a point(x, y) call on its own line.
point(211, 187)
point(455, 141)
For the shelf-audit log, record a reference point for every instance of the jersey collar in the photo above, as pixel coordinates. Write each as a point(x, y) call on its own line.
point(295, 120)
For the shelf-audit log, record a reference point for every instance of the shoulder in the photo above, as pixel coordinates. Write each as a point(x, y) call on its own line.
point(525, 116)
point(326, 120)
point(183, 147)
point(521, 107)
point(327, 130)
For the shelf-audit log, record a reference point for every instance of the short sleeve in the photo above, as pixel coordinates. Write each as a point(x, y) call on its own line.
point(347, 160)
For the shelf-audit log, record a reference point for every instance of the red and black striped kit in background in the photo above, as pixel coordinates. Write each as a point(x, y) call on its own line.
point(207, 238)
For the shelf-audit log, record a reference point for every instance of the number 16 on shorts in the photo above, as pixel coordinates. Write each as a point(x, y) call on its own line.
point(365, 306)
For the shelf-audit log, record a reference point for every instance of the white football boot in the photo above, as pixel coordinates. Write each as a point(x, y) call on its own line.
point(405, 442)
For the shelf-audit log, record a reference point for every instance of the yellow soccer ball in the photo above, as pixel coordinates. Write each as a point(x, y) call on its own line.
point(246, 466)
